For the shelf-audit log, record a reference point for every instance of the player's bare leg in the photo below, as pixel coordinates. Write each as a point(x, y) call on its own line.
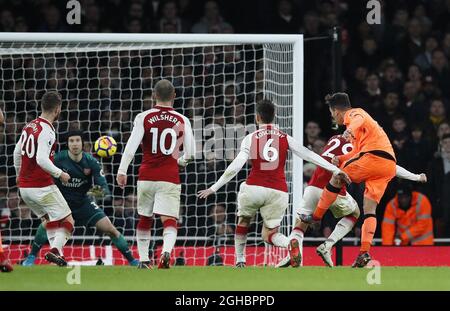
point(169, 239)
point(143, 234)
point(58, 232)
point(343, 227)
point(272, 236)
point(240, 240)
point(105, 226)
point(5, 265)
point(367, 232)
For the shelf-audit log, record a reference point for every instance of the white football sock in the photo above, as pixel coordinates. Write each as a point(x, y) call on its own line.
point(169, 239)
point(61, 238)
point(240, 241)
point(297, 234)
point(342, 228)
point(143, 244)
point(279, 239)
point(51, 233)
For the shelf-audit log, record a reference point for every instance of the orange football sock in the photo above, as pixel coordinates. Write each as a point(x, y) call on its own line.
point(367, 231)
point(327, 198)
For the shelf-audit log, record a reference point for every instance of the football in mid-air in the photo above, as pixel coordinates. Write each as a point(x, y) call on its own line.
point(105, 146)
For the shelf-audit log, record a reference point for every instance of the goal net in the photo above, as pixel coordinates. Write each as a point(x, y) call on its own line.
point(105, 81)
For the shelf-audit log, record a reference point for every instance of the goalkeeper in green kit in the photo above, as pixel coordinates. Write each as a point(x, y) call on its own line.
point(87, 181)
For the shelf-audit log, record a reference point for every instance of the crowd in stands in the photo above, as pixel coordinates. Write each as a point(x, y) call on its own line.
point(397, 70)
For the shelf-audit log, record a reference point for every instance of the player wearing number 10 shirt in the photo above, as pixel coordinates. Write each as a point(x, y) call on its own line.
point(163, 132)
point(265, 188)
point(33, 161)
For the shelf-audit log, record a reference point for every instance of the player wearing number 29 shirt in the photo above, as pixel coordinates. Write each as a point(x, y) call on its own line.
point(33, 160)
point(265, 188)
point(162, 132)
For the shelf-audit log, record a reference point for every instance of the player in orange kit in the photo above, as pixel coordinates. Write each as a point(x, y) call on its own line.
point(371, 161)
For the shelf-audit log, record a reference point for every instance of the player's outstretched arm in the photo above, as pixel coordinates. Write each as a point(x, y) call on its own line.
point(100, 188)
point(188, 145)
point(2, 117)
point(231, 170)
point(44, 147)
point(18, 156)
point(405, 174)
point(130, 149)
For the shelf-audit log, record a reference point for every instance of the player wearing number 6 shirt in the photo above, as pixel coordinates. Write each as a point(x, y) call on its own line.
point(162, 131)
point(33, 160)
point(265, 188)
point(345, 207)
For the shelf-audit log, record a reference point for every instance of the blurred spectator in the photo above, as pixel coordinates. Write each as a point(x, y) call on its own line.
point(407, 218)
point(318, 145)
point(371, 98)
point(443, 128)
point(415, 76)
point(417, 150)
point(308, 171)
point(399, 135)
point(437, 115)
point(411, 46)
point(440, 72)
point(286, 19)
point(123, 217)
point(423, 60)
point(369, 54)
point(416, 109)
point(446, 44)
point(6, 21)
point(20, 24)
point(391, 81)
point(439, 185)
point(170, 18)
point(312, 132)
point(53, 21)
point(180, 260)
point(391, 109)
point(212, 21)
point(215, 259)
point(218, 219)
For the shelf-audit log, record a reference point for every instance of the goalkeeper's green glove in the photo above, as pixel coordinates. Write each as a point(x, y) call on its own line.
point(96, 191)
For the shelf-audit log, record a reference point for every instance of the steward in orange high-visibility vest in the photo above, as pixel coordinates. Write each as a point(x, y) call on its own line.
point(408, 218)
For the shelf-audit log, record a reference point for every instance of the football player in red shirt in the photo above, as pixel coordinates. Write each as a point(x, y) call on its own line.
point(33, 160)
point(162, 132)
point(265, 188)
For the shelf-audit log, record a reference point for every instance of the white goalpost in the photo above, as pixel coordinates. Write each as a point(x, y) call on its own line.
point(107, 79)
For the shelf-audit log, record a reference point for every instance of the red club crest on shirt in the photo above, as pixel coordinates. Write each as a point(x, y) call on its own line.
point(87, 171)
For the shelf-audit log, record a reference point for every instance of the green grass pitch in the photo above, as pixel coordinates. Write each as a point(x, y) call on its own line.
point(226, 278)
